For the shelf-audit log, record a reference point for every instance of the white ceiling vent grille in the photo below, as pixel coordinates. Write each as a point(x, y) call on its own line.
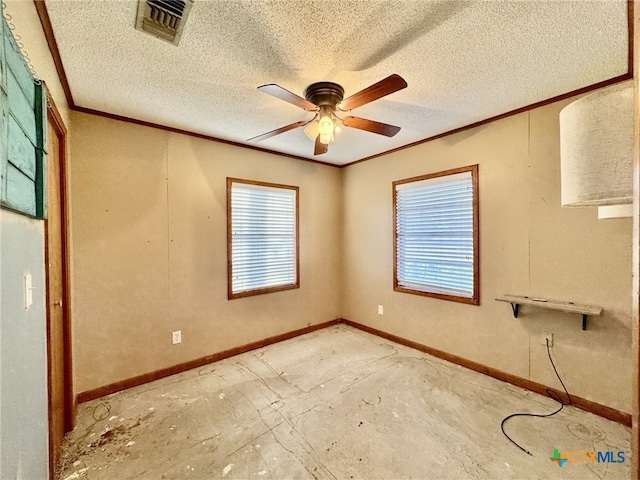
point(164, 19)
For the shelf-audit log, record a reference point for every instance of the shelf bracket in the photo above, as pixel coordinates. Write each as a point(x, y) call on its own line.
point(516, 307)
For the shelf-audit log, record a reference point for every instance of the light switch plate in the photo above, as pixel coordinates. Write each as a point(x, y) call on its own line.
point(28, 291)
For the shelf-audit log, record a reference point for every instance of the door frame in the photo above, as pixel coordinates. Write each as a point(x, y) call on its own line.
point(55, 119)
point(634, 26)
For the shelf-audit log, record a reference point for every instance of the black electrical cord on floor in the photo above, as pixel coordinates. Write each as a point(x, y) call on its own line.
point(551, 393)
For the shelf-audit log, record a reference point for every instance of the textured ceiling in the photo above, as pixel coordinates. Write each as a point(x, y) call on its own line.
point(464, 61)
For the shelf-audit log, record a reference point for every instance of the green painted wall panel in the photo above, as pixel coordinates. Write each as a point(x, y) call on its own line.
point(16, 64)
point(4, 132)
point(3, 79)
point(4, 111)
point(40, 112)
point(20, 151)
point(23, 130)
point(3, 75)
point(21, 192)
point(20, 108)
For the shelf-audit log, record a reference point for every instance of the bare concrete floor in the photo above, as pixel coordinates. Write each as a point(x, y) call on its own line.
point(334, 404)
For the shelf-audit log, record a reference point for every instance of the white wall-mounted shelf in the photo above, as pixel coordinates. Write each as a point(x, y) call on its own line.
point(569, 307)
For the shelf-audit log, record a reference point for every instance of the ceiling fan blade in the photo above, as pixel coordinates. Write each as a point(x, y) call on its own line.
point(284, 94)
point(371, 126)
point(320, 147)
point(384, 87)
point(277, 131)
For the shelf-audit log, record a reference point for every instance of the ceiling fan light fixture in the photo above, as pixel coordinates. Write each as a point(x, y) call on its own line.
point(326, 138)
point(311, 130)
point(325, 123)
point(326, 126)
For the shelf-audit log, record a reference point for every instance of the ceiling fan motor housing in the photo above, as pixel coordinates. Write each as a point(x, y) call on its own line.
point(324, 94)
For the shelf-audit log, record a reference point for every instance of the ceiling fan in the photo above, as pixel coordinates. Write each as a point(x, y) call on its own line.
point(326, 100)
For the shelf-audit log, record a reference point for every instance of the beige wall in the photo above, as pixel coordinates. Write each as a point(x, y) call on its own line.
point(149, 249)
point(529, 245)
point(149, 252)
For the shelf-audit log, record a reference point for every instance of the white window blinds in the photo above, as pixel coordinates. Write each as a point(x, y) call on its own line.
point(435, 235)
point(263, 235)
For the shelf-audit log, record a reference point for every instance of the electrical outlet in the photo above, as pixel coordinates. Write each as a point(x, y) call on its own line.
point(380, 310)
point(176, 336)
point(546, 336)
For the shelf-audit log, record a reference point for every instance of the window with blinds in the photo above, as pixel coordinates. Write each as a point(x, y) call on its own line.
point(262, 237)
point(436, 235)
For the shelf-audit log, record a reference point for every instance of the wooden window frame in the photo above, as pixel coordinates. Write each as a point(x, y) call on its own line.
point(475, 298)
point(261, 291)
